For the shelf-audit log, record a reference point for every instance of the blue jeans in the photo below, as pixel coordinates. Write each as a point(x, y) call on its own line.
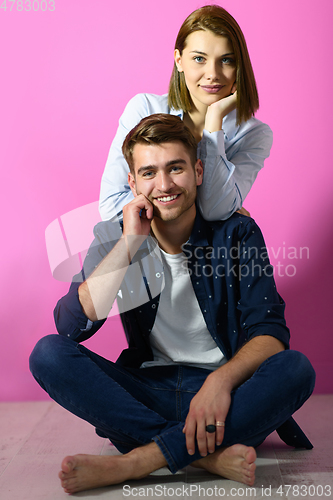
point(133, 407)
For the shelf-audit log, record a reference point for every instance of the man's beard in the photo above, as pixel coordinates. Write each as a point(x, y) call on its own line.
point(174, 212)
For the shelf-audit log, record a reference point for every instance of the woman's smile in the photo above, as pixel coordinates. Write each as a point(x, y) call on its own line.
point(211, 89)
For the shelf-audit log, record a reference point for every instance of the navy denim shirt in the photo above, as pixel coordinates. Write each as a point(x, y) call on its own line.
point(231, 277)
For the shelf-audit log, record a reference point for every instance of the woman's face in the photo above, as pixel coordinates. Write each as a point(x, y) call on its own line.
point(209, 67)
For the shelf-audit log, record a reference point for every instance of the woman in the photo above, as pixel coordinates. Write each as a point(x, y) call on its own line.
point(212, 88)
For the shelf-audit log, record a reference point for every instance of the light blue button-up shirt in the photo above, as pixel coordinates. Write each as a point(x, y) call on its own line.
point(232, 158)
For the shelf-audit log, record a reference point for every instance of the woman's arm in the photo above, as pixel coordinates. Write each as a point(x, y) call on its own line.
point(232, 160)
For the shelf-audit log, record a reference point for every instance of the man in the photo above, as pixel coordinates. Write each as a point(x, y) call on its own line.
point(208, 373)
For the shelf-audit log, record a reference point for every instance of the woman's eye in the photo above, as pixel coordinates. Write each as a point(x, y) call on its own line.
point(228, 60)
point(199, 59)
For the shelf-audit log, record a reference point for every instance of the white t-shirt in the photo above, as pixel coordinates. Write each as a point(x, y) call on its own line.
point(179, 334)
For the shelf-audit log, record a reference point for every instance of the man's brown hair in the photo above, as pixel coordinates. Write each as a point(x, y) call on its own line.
point(158, 129)
point(217, 20)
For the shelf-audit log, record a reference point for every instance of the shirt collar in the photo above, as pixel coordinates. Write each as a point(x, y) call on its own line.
point(177, 112)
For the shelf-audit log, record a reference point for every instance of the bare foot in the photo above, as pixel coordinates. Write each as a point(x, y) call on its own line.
point(85, 472)
point(235, 463)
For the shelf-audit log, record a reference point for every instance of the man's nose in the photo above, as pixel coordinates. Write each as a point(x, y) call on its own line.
point(164, 182)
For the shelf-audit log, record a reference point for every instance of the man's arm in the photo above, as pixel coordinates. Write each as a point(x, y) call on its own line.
point(211, 404)
point(98, 292)
point(262, 318)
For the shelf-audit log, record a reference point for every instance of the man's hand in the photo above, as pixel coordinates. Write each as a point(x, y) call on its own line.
point(218, 110)
point(137, 215)
point(98, 292)
point(210, 405)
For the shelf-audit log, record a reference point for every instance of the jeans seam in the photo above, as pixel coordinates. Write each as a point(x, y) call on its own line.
point(173, 468)
point(178, 392)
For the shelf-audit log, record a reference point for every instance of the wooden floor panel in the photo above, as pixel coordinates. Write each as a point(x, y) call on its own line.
point(36, 436)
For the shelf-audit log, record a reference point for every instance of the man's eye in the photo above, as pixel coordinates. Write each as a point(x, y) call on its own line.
point(147, 174)
point(176, 169)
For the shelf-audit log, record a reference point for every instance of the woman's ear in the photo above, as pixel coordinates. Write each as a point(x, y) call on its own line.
point(178, 60)
point(131, 183)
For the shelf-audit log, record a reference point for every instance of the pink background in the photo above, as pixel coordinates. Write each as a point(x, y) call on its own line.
point(66, 77)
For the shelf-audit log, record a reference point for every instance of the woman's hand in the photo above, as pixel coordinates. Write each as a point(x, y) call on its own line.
point(218, 110)
point(243, 211)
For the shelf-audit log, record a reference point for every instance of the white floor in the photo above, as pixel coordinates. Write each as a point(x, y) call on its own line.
point(35, 437)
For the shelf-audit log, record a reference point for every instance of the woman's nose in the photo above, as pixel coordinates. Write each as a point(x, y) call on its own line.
point(212, 71)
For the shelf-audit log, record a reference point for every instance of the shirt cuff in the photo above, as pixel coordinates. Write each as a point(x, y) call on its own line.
point(214, 143)
point(88, 326)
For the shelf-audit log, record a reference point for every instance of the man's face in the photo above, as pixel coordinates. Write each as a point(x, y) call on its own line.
point(165, 175)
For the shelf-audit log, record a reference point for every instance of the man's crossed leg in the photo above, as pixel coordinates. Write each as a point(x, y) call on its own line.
point(142, 411)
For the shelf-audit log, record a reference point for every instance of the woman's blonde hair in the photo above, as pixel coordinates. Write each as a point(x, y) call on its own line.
point(217, 20)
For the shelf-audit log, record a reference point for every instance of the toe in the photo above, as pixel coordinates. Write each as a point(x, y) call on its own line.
point(68, 486)
point(67, 464)
point(64, 484)
point(250, 455)
point(249, 468)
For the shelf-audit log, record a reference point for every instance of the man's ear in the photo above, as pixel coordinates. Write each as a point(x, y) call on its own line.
point(198, 172)
point(178, 60)
point(131, 183)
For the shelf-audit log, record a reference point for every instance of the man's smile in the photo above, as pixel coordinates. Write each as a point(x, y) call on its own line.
point(168, 198)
